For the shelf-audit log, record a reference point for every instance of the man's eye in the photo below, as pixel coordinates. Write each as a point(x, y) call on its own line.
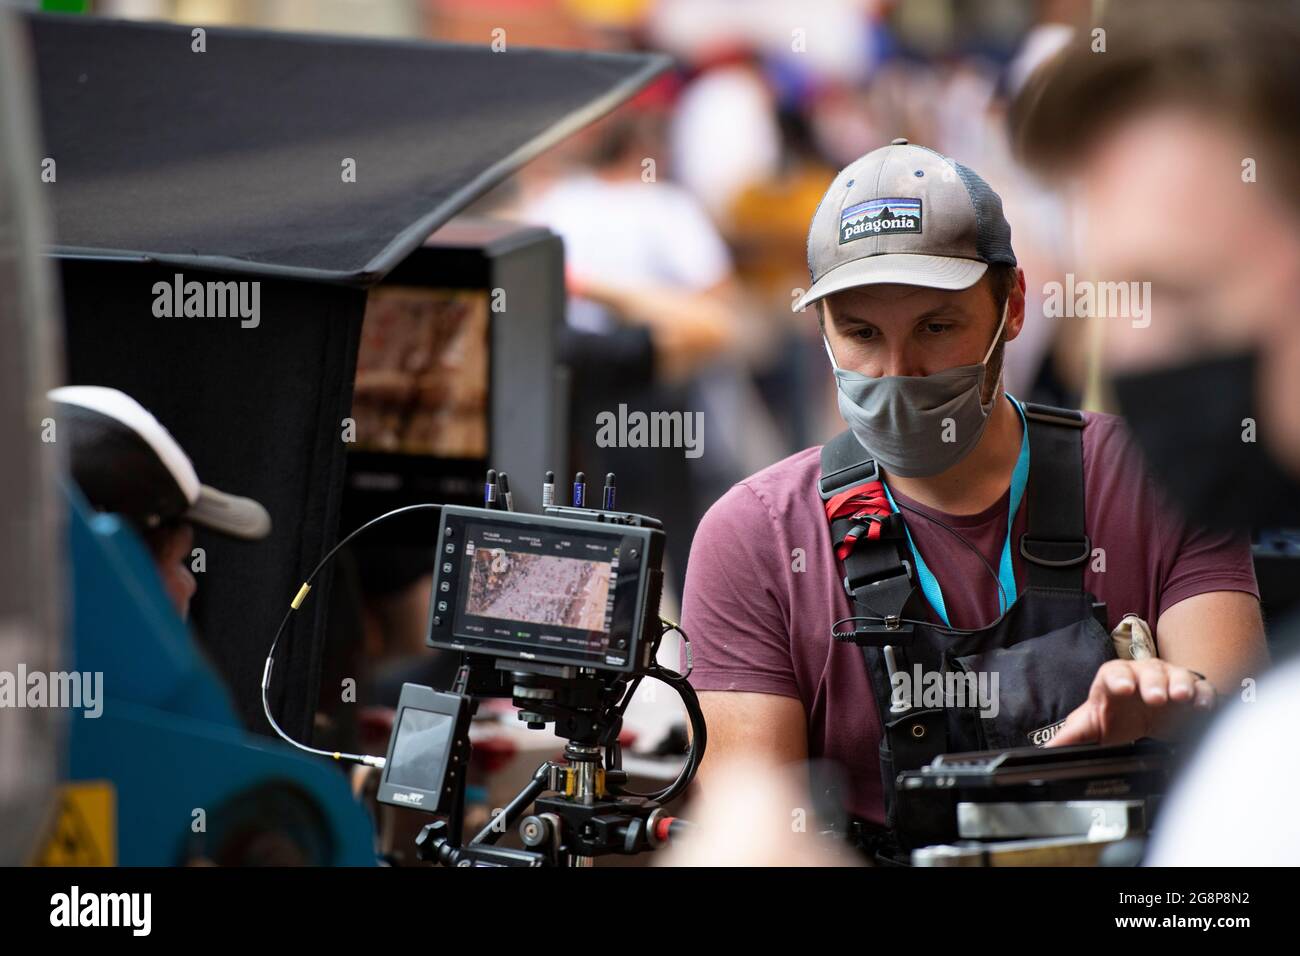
point(936, 328)
point(863, 333)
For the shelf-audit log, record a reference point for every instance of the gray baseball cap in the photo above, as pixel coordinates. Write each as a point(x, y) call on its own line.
point(905, 214)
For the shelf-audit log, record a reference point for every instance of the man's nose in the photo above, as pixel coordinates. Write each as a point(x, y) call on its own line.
point(899, 360)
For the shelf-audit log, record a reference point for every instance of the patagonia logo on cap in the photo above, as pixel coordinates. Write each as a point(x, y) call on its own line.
point(879, 216)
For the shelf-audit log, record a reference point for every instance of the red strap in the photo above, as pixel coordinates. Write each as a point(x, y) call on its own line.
point(860, 501)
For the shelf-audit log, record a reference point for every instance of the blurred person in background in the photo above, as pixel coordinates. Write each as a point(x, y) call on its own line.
point(728, 102)
point(766, 227)
point(653, 307)
point(1179, 143)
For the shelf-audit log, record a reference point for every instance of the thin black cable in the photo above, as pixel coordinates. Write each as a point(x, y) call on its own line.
point(880, 619)
point(699, 739)
point(695, 714)
point(883, 619)
point(953, 531)
point(294, 605)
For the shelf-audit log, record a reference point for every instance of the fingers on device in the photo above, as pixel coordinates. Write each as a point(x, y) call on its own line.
point(428, 751)
point(571, 587)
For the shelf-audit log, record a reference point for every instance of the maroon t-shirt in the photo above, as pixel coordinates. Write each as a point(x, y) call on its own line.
point(763, 586)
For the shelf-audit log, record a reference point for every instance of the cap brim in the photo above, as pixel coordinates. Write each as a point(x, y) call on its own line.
point(900, 268)
point(229, 514)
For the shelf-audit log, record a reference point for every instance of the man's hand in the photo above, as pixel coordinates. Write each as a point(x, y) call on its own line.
point(1132, 699)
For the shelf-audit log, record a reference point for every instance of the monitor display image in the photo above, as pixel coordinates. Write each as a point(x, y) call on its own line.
point(420, 750)
point(422, 373)
point(538, 588)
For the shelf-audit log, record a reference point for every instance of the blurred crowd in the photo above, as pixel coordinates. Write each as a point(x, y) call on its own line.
point(685, 212)
point(685, 215)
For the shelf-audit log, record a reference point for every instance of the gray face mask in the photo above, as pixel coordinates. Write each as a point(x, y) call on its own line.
point(917, 425)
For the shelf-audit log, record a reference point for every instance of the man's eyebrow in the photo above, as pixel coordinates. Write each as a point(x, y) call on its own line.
point(944, 310)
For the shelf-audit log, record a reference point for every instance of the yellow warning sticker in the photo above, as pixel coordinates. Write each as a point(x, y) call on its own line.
point(84, 832)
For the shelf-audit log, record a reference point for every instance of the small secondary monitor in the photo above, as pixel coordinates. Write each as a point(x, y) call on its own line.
point(428, 749)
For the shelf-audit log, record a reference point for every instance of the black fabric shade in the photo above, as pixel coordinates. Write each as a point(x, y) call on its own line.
point(231, 159)
point(227, 164)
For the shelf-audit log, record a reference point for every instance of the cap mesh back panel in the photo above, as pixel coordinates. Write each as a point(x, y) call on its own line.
point(993, 233)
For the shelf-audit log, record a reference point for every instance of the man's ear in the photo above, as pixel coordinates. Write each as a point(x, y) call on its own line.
point(1016, 306)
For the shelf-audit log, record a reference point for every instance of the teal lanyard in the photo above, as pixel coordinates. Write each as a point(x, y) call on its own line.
point(1006, 572)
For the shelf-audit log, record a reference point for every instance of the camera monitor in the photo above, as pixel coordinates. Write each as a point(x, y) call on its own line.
point(545, 588)
point(428, 749)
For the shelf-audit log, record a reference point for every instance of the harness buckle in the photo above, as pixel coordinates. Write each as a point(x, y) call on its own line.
point(860, 473)
point(852, 586)
point(1050, 551)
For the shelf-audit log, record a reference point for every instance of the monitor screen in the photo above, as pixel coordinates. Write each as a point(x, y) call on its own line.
point(422, 373)
point(538, 587)
point(420, 750)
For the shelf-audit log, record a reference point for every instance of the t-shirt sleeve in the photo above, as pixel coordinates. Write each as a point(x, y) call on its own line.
point(734, 602)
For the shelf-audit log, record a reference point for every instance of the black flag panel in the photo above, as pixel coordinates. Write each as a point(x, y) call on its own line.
point(311, 166)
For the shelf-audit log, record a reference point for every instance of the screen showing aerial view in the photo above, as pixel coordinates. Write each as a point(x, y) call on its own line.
point(540, 588)
point(422, 372)
point(536, 588)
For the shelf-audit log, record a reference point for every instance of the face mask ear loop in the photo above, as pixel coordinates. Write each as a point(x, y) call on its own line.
point(829, 354)
point(996, 335)
point(994, 344)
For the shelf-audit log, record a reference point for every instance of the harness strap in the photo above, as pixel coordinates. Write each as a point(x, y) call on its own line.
point(871, 542)
point(1055, 545)
point(877, 576)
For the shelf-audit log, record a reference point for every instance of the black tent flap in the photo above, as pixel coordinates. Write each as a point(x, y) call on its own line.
point(234, 158)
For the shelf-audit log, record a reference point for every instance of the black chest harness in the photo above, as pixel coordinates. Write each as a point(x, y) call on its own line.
point(1039, 658)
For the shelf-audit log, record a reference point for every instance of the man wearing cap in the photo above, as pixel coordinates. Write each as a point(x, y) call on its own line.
point(951, 529)
point(125, 462)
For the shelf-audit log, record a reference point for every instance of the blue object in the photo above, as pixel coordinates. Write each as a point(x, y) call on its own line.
point(168, 737)
point(1006, 570)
